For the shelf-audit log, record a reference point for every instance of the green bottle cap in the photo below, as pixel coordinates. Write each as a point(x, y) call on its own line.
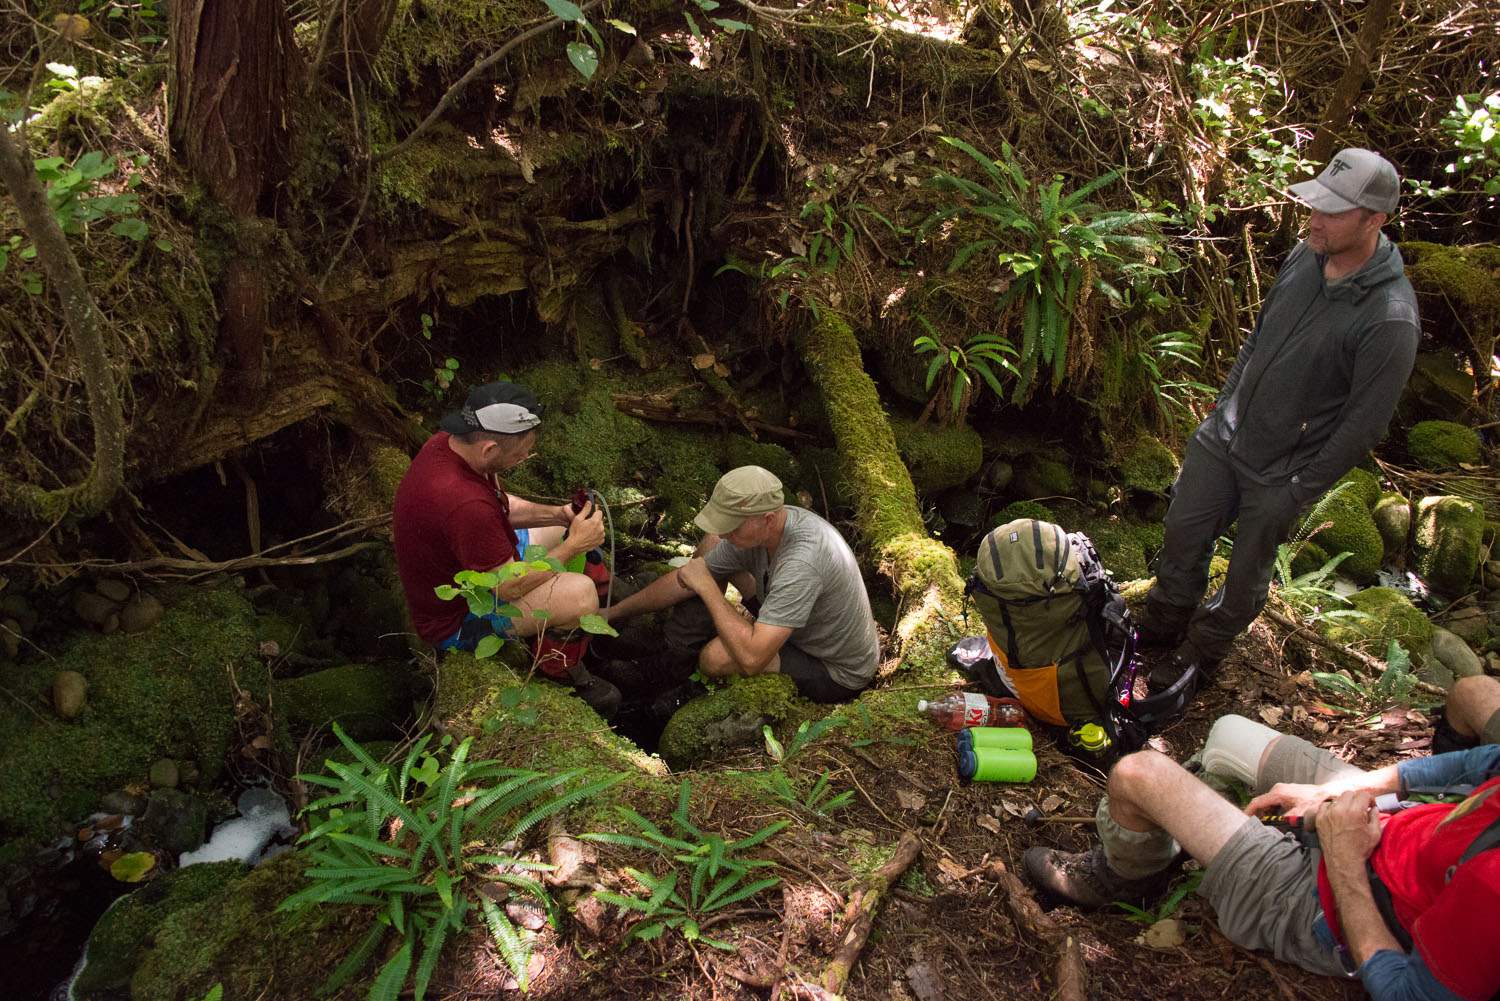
point(1091, 736)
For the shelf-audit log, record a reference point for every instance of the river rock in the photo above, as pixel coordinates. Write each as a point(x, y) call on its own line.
point(1491, 577)
point(10, 637)
point(175, 821)
point(123, 801)
point(69, 691)
point(1470, 623)
point(140, 613)
point(92, 607)
point(164, 774)
point(114, 590)
point(1392, 515)
point(1454, 654)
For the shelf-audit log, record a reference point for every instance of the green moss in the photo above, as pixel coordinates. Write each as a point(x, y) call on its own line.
point(937, 457)
point(1448, 541)
point(387, 467)
point(1363, 484)
point(1147, 464)
point(1124, 547)
point(1351, 530)
point(688, 738)
point(1443, 445)
point(237, 938)
point(116, 941)
point(162, 693)
point(1464, 276)
point(369, 701)
point(739, 450)
point(1309, 557)
point(1387, 615)
point(1023, 509)
point(1392, 515)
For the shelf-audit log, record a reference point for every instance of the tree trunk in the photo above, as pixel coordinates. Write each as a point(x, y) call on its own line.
point(1341, 104)
point(353, 33)
point(232, 66)
point(86, 326)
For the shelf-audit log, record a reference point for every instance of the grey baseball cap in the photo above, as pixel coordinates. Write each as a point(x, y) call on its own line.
point(1353, 179)
point(505, 407)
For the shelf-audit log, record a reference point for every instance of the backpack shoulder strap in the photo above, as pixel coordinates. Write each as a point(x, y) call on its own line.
point(1483, 842)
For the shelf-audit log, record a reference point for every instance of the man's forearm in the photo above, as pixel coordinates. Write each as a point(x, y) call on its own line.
point(737, 635)
point(1365, 931)
point(664, 592)
point(530, 514)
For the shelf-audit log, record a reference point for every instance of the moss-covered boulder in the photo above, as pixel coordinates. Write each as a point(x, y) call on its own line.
point(1023, 509)
point(369, 701)
point(1046, 476)
point(1363, 484)
point(163, 693)
point(1125, 547)
point(117, 939)
point(1351, 529)
point(938, 457)
point(1443, 445)
point(729, 716)
point(1387, 615)
point(1392, 516)
point(1147, 464)
point(237, 938)
point(1447, 542)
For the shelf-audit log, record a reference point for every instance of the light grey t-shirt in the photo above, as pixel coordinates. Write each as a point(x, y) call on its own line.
point(814, 587)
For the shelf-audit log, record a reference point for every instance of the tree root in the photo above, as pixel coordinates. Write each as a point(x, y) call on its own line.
point(859, 919)
point(1068, 972)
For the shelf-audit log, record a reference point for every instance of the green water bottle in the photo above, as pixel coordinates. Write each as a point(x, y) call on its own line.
point(1015, 738)
point(1090, 741)
point(996, 764)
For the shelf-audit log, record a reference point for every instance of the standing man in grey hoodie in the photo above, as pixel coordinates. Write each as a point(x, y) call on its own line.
point(1310, 393)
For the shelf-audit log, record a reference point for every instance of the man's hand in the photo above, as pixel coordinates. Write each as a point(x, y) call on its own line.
point(694, 575)
point(1293, 799)
point(1349, 830)
point(586, 528)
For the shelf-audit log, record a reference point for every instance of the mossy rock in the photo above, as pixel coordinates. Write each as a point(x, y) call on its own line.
point(1392, 515)
point(163, 693)
point(1125, 547)
point(938, 457)
point(1363, 484)
point(237, 938)
point(114, 945)
point(387, 467)
point(1448, 541)
point(1440, 386)
point(1308, 558)
point(1046, 477)
point(1351, 530)
point(690, 736)
point(1147, 464)
point(1388, 615)
point(739, 450)
point(1443, 445)
point(369, 701)
point(1023, 509)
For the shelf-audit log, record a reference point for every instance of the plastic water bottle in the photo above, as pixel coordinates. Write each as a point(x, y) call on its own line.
point(1090, 741)
point(963, 709)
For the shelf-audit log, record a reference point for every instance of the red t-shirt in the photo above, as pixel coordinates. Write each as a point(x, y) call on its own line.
point(1451, 922)
point(446, 518)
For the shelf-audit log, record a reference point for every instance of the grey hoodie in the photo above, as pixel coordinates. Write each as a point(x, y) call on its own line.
point(1314, 386)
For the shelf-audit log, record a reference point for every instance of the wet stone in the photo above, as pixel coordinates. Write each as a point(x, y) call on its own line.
point(69, 692)
point(140, 613)
point(164, 774)
point(114, 590)
point(175, 821)
point(92, 608)
point(123, 801)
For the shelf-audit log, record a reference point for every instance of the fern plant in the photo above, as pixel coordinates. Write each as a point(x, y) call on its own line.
point(1311, 593)
point(405, 839)
point(717, 878)
point(1060, 248)
point(1395, 684)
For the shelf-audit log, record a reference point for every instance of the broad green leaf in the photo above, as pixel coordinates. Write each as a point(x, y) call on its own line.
point(619, 25)
point(564, 10)
point(132, 867)
point(584, 59)
point(134, 229)
point(597, 625)
point(488, 646)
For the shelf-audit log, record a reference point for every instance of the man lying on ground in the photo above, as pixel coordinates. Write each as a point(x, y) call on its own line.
point(1388, 898)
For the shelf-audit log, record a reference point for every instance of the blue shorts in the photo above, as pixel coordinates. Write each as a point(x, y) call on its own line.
point(476, 627)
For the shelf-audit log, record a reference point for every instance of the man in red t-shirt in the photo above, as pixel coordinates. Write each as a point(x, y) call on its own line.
point(1384, 897)
point(452, 513)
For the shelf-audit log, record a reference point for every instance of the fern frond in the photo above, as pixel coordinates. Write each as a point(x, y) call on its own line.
point(392, 976)
point(356, 960)
point(513, 948)
point(432, 948)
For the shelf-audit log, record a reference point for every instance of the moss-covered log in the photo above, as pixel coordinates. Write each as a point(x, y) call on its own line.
point(924, 570)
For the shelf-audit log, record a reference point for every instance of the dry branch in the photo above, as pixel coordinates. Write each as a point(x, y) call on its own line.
point(1068, 969)
point(859, 916)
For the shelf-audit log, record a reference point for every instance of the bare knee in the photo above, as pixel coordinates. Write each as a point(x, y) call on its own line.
point(1133, 774)
point(570, 596)
point(1471, 702)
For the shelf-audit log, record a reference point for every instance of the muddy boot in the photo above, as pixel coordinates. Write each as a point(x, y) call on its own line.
point(1084, 879)
point(603, 697)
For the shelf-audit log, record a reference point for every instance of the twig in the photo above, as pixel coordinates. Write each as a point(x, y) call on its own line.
point(859, 916)
point(1068, 969)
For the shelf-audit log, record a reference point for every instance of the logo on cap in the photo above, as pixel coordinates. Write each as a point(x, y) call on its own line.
point(1337, 167)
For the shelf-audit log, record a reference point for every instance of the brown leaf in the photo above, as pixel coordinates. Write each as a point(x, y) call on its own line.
point(951, 869)
point(925, 982)
point(261, 743)
point(1051, 803)
point(703, 361)
point(909, 800)
point(595, 364)
point(721, 370)
point(1013, 808)
point(989, 824)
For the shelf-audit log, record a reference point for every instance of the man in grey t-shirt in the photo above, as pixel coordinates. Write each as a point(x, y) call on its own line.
point(814, 623)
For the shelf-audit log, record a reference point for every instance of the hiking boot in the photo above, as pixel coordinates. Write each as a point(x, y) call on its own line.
point(1084, 879)
point(1167, 673)
point(603, 697)
point(1158, 630)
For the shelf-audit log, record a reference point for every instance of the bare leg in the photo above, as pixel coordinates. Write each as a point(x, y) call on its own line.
point(566, 598)
point(1472, 703)
point(1149, 791)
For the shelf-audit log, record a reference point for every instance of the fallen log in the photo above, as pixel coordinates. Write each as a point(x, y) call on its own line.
point(657, 409)
point(1067, 968)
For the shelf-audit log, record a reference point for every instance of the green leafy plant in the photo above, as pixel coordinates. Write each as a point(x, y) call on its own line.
point(405, 839)
point(807, 732)
point(1473, 123)
point(813, 801)
point(1158, 357)
point(215, 993)
point(716, 876)
point(981, 355)
point(477, 588)
point(1170, 903)
point(1395, 684)
point(1060, 248)
point(867, 731)
point(1311, 593)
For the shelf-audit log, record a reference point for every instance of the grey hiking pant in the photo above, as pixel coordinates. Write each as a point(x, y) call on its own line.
point(1207, 498)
